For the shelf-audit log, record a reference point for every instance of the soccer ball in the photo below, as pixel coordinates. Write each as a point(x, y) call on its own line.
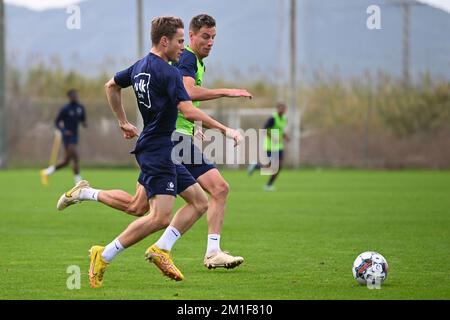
point(370, 267)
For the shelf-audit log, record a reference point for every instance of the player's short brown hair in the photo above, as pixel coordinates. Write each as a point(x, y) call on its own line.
point(165, 26)
point(201, 20)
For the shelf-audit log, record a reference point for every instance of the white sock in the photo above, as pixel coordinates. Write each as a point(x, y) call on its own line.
point(213, 243)
point(168, 238)
point(77, 178)
point(89, 194)
point(111, 250)
point(49, 170)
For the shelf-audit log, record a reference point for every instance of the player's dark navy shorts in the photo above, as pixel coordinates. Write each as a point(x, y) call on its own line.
point(159, 174)
point(276, 154)
point(69, 140)
point(190, 155)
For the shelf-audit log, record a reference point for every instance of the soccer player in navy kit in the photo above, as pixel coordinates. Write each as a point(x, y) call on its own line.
point(67, 121)
point(202, 32)
point(160, 94)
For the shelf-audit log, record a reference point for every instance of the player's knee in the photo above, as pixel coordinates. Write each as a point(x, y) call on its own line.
point(162, 221)
point(221, 190)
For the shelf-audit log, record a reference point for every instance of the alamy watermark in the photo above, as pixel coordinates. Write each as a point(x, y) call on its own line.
point(373, 22)
point(74, 279)
point(73, 22)
point(376, 277)
point(191, 149)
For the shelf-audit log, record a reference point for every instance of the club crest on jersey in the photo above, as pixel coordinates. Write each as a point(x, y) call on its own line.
point(170, 186)
point(141, 87)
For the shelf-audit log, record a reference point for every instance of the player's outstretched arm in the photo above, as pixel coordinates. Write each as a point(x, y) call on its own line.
point(194, 114)
point(198, 93)
point(114, 95)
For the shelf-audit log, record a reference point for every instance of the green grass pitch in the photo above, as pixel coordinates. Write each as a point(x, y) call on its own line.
point(299, 242)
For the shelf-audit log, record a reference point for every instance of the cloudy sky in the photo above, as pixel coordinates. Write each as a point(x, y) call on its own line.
point(440, 4)
point(51, 4)
point(39, 5)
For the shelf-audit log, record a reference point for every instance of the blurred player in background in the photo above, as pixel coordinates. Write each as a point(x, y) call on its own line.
point(274, 143)
point(67, 122)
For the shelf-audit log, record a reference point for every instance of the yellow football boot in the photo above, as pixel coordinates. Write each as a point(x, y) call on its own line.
point(44, 178)
point(161, 258)
point(97, 266)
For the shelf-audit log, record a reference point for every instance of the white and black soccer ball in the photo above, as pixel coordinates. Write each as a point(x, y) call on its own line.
point(370, 266)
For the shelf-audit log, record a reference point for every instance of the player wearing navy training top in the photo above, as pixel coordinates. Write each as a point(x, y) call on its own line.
point(160, 94)
point(67, 121)
point(202, 32)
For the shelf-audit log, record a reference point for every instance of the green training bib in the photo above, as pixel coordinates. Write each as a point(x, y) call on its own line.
point(183, 125)
point(275, 142)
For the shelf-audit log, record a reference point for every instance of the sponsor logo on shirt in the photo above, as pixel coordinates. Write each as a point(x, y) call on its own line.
point(140, 86)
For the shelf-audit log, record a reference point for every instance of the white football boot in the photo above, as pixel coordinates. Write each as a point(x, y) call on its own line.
point(72, 196)
point(222, 259)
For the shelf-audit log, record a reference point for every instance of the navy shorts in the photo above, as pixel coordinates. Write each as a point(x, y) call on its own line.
point(194, 161)
point(69, 140)
point(159, 175)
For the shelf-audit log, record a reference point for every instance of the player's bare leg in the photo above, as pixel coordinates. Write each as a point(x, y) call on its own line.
point(196, 205)
point(68, 154)
point(161, 208)
point(101, 256)
point(186, 216)
point(218, 189)
point(213, 182)
point(136, 205)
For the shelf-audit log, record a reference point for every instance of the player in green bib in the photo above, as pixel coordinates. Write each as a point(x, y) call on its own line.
point(202, 31)
point(183, 125)
point(274, 143)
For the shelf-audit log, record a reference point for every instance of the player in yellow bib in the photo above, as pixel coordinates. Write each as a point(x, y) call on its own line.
point(202, 31)
point(274, 143)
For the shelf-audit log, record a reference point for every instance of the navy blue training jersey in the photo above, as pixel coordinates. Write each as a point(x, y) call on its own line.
point(187, 64)
point(158, 88)
point(71, 115)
